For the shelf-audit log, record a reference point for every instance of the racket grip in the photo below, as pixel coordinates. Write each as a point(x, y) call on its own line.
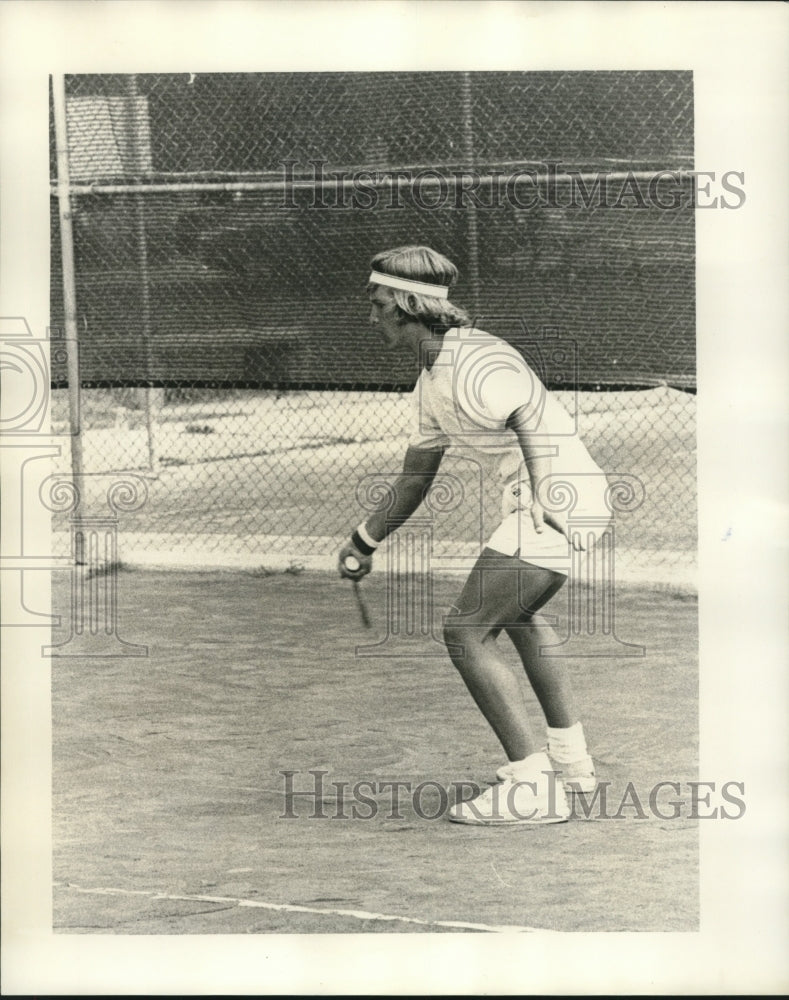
point(364, 614)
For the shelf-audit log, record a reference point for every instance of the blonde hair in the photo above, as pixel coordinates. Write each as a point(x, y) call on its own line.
point(422, 264)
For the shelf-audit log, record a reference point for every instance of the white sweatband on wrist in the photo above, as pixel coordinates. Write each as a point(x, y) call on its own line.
point(366, 537)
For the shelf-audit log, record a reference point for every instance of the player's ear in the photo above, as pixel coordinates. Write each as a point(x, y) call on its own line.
point(402, 316)
point(413, 306)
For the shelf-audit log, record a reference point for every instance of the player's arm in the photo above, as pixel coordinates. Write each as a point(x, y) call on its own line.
point(420, 466)
point(536, 453)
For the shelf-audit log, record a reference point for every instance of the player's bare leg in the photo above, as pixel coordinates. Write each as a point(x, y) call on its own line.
point(548, 676)
point(550, 679)
point(493, 598)
point(495, 594)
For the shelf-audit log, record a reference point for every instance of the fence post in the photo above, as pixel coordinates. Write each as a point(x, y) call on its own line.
point(137, 139)
point(69, 280)
point(471, 208)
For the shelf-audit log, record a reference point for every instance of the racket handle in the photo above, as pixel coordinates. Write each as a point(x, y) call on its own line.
point(364, 614)
point(352, 564)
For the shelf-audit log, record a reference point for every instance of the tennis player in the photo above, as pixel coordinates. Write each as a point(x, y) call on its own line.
point(476, 392)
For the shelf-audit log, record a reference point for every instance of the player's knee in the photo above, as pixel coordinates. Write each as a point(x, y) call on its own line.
point(459, 636)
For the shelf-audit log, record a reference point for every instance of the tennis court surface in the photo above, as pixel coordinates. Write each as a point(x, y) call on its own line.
point(172, 814)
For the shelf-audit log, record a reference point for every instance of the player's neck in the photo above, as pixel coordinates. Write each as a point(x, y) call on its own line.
point(428, 346)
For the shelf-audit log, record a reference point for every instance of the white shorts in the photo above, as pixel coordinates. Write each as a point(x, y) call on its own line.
point(549, 548)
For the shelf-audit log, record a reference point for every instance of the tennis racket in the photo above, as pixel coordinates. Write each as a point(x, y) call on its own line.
point(352, 564)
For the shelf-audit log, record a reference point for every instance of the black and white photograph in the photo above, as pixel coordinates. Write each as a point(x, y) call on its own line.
point(391, 496)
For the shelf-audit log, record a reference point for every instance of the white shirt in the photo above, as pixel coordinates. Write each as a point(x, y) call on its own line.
point(464, 400)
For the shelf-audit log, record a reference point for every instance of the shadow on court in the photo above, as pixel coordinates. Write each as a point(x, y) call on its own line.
point(172, 814)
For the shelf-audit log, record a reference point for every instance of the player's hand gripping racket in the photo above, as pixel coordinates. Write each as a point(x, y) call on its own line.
point(352, 564)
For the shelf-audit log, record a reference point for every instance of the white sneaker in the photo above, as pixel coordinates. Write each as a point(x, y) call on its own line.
point(533, 795)
point(579, 776)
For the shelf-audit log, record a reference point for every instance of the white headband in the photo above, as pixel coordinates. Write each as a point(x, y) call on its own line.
point(407, 285)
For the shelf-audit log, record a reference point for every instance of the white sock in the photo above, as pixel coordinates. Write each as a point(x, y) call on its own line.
point(567, 746)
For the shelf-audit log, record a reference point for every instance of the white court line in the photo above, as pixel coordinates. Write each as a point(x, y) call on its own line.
point(293, 908)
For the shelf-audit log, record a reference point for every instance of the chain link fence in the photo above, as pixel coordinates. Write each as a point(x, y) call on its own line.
point(222, 228)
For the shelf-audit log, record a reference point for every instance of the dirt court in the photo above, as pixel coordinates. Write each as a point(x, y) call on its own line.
point(171, 811)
